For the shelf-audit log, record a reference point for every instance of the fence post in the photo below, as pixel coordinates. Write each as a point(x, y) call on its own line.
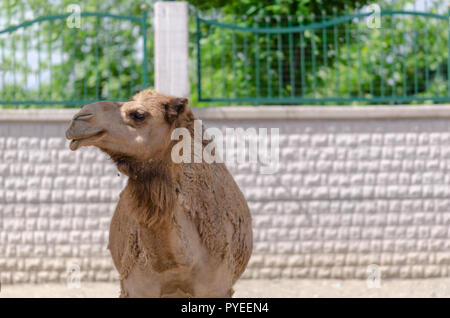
point(171, 48)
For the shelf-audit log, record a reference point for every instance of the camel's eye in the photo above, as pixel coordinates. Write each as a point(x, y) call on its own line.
point(137, 116)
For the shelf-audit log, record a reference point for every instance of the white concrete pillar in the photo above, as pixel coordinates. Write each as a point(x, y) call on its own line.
point(171, 48)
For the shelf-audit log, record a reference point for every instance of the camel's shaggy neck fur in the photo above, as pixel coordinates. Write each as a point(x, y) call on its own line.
point(153, 186)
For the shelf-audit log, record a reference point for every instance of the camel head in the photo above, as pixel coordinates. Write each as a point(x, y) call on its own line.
point(137, 130)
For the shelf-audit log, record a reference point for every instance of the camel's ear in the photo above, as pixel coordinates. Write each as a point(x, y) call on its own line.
point(174, 108)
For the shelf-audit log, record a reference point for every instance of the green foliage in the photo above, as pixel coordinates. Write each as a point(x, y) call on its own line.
point(405, 59)
point(261, 9)
point(50, 61)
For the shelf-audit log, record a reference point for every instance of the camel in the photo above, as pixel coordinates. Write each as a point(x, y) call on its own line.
point(179, 229)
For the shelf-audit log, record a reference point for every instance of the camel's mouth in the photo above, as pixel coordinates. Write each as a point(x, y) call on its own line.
point(87, 140)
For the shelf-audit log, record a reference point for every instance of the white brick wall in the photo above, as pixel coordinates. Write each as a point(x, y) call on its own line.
point(348, 193)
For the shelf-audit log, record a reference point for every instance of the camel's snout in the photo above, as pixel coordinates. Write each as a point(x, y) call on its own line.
point(82, 131)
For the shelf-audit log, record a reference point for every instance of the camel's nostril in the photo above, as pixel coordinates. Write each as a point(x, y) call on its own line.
point(83, 116)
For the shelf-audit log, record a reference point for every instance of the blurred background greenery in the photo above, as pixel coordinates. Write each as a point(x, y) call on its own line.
point(404, 61)
point(48, 62)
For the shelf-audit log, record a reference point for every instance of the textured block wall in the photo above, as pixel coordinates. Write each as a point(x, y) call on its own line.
point(348, 193)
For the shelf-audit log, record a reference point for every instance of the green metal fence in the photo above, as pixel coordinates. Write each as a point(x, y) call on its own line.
point(326, 59)
point(47, 61)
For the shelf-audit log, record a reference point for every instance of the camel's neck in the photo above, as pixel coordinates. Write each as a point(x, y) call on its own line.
point(152, 186)
point(151, 201)
point(154, 194)
point(153, 204)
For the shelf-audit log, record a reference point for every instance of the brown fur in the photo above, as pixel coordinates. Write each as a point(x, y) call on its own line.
point(152, 187)
point(179, 230)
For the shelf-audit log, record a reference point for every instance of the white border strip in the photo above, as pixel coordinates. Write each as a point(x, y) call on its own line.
point(258, 113)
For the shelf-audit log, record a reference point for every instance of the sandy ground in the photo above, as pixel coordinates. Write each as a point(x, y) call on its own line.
point(260, 288)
